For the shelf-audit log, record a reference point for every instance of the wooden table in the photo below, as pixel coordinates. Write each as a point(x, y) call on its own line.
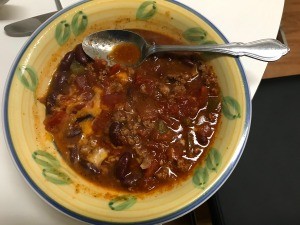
point(290, 25)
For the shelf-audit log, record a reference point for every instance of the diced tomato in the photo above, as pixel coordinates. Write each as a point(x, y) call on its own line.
point(145, 85)
point(114, 69)
point(188, 106)
point(52, 122)
point(111, 100)
point(102, 121)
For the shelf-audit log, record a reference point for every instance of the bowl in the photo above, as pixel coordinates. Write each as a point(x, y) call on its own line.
point(35, 154)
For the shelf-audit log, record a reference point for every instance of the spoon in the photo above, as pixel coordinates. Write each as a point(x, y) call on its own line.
point(128, 48)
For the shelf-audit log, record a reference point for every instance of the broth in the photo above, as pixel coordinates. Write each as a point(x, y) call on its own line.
point(134, 129)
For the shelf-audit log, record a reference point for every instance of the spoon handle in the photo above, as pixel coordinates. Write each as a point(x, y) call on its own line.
point(264, 49)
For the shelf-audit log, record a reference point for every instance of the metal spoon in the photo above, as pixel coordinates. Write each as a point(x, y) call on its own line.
point(102, 44)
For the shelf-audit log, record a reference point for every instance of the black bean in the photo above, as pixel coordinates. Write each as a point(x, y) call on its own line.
point(115, 133)
point(73, 131)
point(122, 165)
point(202, 139)
point(66, 61)
point(50, 102)
point(61, 78)
point(80, 55)
point(61, 81)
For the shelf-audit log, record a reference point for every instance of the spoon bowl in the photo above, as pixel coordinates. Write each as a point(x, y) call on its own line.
point(108, 44)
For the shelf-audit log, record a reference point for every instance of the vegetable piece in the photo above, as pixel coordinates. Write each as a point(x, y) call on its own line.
point(162, 128)
point(53, 121)
point(111, 100)
point(77, 68)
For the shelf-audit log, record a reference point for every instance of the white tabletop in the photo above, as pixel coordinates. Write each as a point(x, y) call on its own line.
point(238, 20)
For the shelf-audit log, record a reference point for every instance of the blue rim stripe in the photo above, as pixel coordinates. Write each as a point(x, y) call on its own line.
point(163, 219)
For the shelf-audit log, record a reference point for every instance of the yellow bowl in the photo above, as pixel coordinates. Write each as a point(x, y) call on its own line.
point(34, 151)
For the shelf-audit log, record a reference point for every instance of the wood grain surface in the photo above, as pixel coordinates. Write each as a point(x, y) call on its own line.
point(290, 24)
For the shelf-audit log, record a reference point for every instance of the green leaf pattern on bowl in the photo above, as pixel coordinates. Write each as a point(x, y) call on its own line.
point(51, 168)
point(78, 26)
point(62, 32)
point(213, 160)
point(122, 202)
point(195, 34)
point(146, 10)
point(201, 174)
point(200, 177)
point(28, 77)
point(79, 23)
point(231, 108)
point(55, 176)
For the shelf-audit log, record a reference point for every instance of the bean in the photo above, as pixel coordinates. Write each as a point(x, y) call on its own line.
point(50, 102)
point(61, 81)
point(115, 133)
point(122, 165)
point(202, 139)
point(80, 55)
point(73, 131)
point(66, 61)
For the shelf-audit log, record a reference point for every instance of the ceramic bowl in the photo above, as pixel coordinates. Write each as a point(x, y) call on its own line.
point(34, 152)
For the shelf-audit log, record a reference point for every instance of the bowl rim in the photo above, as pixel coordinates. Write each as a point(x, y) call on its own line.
point(172, 216)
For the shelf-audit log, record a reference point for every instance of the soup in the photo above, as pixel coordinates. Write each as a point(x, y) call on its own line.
point(133, 129)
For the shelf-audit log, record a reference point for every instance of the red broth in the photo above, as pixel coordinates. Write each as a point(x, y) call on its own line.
point(133, 129)
point(125, 54)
